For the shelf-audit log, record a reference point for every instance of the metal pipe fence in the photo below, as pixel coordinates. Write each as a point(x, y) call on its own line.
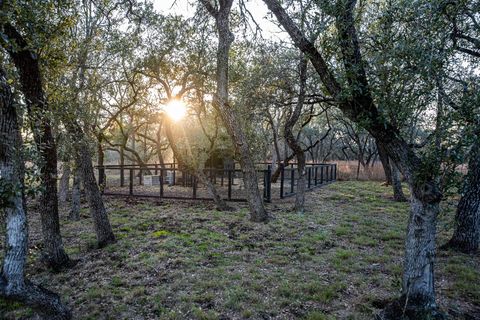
point(169, 181)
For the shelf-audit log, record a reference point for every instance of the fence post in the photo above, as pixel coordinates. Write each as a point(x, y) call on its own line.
point(335, 166)
point(321, 174)
point(194, 187)
point(229, 184)
point(282, 180)
point(327, 174)
point(122, 176)
point(156, 169)
point(292, 179)
point(161, 183)
point(309, 177)
point(130, 186)
point(316, 173)
point(269, 183)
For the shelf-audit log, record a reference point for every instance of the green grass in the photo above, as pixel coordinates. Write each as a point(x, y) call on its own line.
point(179, 260)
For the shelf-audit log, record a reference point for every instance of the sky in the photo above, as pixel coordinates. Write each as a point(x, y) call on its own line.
point(257, 8)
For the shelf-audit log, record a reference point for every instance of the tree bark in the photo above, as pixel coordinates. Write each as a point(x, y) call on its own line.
point(294, 144)
point(418, 292)
point(64, 182)
point(466, 236)
point(385, 163)
point(100, 161)
point(27, 64)
point(13, 285)
point(75, 205)
point(397, 184)
point(229, 115)
point(103, 229)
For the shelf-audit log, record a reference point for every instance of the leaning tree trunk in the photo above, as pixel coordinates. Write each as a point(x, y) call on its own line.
point(194, 170)
point(13, 285)
point(27, 64)
point(385, 163)
point(418, 288)
point(397, 184)
point(228, 113)
point(75, 205)
point(466, 236)
point(64, 182)
point(293, 143)
point(103, 229)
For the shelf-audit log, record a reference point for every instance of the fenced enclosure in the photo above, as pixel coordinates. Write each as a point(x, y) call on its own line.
point(169, 181)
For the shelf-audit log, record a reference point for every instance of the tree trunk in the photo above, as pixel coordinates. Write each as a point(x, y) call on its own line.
point(418, 289)
point(196, 171)
point(397, 184)
point(64, 183)
point(101, 161)
point(99, 215)
point(281, 165)
point(418, 293)
point(27, 65)
point(101, 222)
point(293, 143)
point(274, 159)
point(228, 113)
point(161, 161)
point(385, 163)
point(466, 236)
point(301, 181)
point(13, 285)
point(75, 208)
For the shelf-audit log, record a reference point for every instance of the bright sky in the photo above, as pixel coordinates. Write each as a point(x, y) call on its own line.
point(257, 8)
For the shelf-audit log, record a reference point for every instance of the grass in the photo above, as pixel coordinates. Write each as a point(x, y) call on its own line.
point(181, 260)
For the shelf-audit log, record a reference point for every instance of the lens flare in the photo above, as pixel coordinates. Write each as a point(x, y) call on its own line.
point(175, 109)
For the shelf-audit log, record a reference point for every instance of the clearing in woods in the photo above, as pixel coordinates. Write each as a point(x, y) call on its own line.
point(184, 260)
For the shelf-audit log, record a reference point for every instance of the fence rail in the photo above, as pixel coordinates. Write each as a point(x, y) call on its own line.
point(168, 181)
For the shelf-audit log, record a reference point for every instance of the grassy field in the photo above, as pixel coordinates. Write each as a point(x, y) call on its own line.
point(181, 260)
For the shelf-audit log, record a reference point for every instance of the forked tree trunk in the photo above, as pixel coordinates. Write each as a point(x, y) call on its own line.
point(103, 229)
point(466, 236)
point(13, 285)
point(27, 64)
point(75, 205)
point(228, 113)
point(397, 184)
point(292, 140)
point(64, 182)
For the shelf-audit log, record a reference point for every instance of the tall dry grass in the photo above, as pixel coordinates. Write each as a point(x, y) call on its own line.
point(347, 170)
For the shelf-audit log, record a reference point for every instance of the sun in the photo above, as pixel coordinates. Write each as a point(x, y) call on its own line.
point(175, 109)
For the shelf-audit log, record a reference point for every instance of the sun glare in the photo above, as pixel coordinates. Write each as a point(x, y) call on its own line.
point(175, 109)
